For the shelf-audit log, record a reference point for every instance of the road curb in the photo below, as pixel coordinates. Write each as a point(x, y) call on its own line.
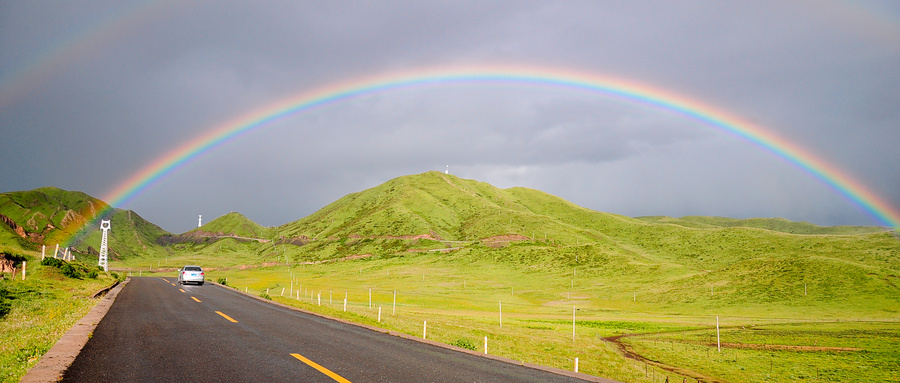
point(54, 363)
point(557, 371)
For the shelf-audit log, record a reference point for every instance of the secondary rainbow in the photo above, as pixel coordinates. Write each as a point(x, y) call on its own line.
point(556, 78)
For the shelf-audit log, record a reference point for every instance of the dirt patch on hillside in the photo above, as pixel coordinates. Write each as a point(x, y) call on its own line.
point(630, 354)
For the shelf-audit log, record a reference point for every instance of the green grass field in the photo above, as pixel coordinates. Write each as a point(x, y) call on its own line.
point(43, 307)
point(461, 295)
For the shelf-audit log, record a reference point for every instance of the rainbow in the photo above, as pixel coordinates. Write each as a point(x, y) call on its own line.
point(553, 78)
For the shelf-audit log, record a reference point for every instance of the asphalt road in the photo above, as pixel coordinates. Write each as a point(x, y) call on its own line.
point(155, 332)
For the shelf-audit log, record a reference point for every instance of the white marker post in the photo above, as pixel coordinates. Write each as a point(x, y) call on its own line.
point(319, 297)
point(576, 364)
point(485, 345)
point(573, 322)
point(345, 304)
point(23, 269)
point(718, 339)
point(424, 329)
point(379, 314)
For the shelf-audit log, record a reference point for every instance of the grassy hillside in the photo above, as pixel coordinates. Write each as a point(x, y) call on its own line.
point(233, 224)
point(50, 216)
point(37, 311)
point(774, 224)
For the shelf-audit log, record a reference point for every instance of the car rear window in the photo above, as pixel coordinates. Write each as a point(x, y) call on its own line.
point(192, 268)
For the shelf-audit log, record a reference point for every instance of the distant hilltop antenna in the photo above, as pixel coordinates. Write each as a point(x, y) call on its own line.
point(104, 262)
point(448, 170)
point(200, 220)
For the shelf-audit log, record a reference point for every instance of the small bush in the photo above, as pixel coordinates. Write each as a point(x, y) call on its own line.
point(466, 344)
point(71, 271)
point(6, 298)
point(223, 281)
point(53, 262)
point(264, 295)
point(114, 275)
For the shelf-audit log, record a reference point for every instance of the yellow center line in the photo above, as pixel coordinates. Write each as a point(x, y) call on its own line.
point(182, 290)
point(226, 316)
point(195, 299)
point(172, 283)
point(321, 369)
point(166, 280)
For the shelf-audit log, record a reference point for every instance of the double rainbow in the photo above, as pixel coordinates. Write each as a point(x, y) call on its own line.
point(542, 77)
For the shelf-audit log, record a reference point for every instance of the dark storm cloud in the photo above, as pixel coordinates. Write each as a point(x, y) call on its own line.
point(820, 74)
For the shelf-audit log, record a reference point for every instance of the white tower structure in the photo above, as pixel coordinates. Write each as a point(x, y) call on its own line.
point(200, 220)
point(448, 170)
point(104, 263)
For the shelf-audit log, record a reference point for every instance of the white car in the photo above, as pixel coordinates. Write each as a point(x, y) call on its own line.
point(191, 274)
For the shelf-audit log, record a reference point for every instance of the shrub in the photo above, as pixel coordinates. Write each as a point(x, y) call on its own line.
point(264, 295)
point(53, 262)
point(6, 298)
point(465, 343)
point(71, 271)
point(223, 281)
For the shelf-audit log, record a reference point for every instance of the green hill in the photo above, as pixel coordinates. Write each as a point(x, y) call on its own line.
point(50, 216)
point(235, 224)
point(774, 224)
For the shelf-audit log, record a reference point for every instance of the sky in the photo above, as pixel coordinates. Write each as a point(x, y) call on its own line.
point(91, 92)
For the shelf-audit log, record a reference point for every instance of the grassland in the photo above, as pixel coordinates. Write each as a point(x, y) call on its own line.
point(461, 294)
point(797, 302)
point(43, 307)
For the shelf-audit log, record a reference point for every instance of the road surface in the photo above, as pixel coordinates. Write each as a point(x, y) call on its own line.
point(157, 331)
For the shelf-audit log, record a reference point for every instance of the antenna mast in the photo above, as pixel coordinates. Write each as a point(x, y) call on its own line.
point(104, 251)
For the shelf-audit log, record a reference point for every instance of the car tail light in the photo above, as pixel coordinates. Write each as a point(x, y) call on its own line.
point(202, 273)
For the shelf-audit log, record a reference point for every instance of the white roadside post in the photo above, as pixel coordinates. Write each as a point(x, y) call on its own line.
point(23, 269)
point(576, 364)
point(573, 322)
point(424, 329)
point(485, 345)
point(718, 339)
